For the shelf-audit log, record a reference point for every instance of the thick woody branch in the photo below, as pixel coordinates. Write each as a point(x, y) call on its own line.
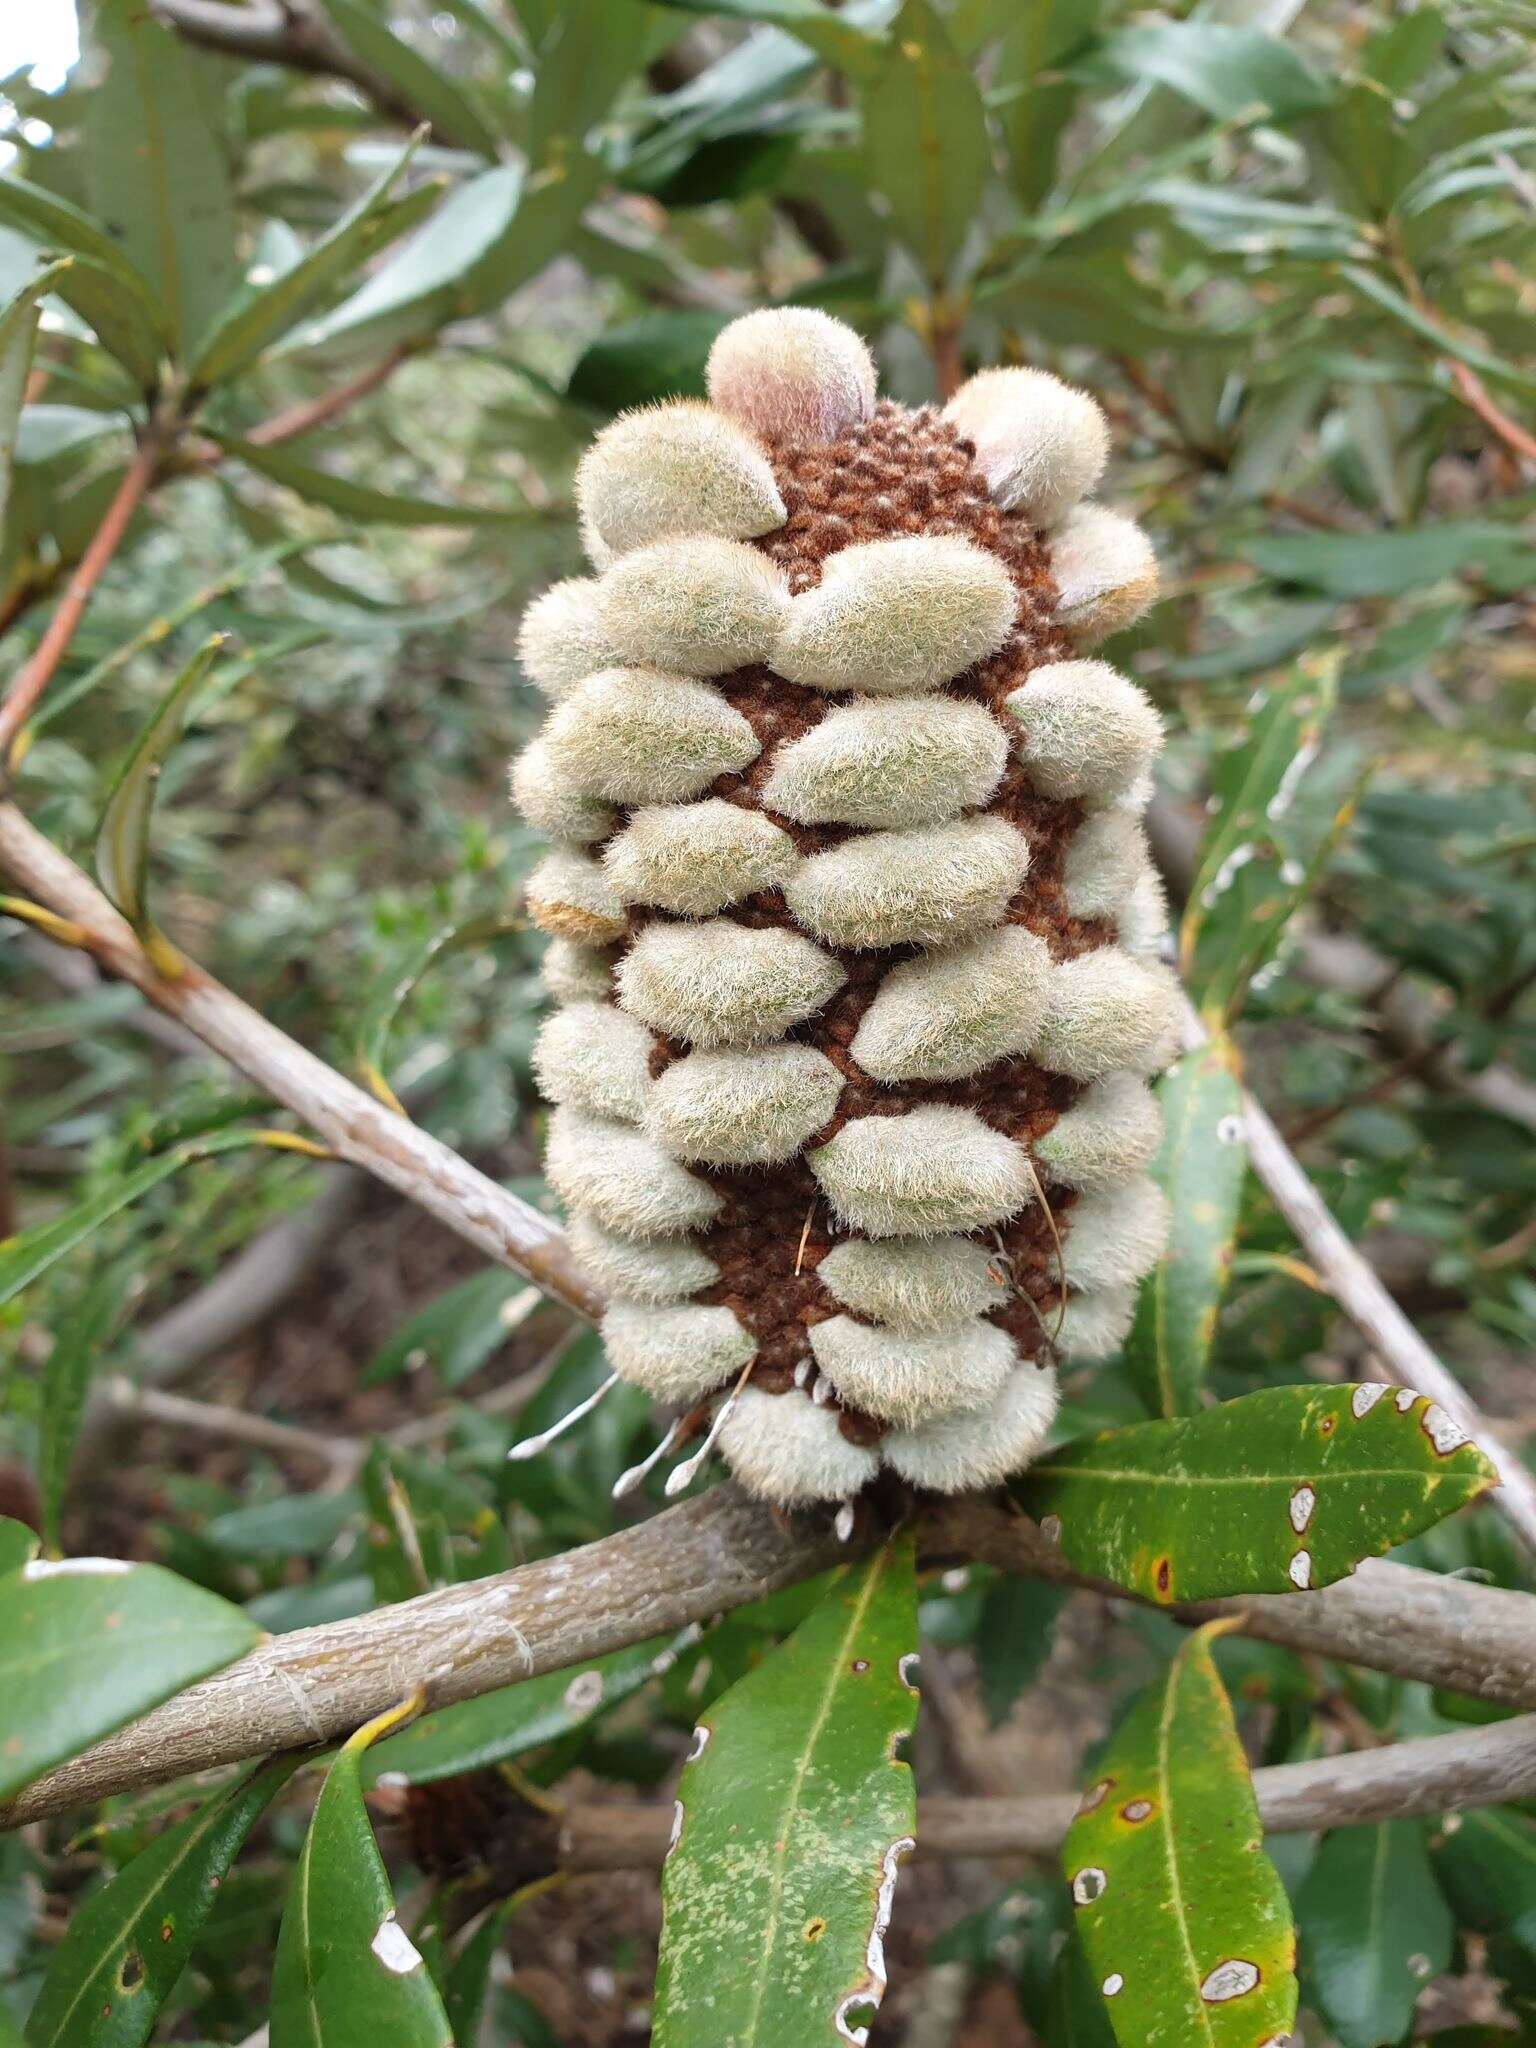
point(1430, 1775)
point(691, 1563)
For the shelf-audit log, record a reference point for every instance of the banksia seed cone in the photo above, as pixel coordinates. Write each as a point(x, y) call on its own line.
point(853, 928)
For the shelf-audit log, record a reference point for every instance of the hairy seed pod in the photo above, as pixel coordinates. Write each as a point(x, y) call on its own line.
point(855, 938)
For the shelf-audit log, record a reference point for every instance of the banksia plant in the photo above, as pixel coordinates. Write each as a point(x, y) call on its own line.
point(853, 931)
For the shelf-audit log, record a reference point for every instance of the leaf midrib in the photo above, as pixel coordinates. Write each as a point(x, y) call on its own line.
point(1165, 1828)
point(792, 1797)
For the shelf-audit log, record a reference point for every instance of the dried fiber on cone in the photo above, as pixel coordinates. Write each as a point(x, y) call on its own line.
point(854, 930)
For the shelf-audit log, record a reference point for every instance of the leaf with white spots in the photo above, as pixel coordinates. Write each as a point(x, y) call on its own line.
point(125, 1948)
point(1200, 1168)
point(347, 1974)
point(1374, 1930)
point(87, 1643)
point(1277, 1492)
point(793, 1816)
point(1255, 868)
point(1182, 1918)
point(507, 1723)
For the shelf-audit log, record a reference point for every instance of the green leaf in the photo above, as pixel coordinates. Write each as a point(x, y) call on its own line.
point(590, 49)
point(1248, 886)
point(1183, 1918)
point(454, 1334)
point(91, 1643)
point(1283, 1489)
point(1374, 1930)
point(852, 46)
point(429, 93)
point(1075, 2015)
point(1200, 1168)
point(1395, 564)
point(379, 1014)
point(121, 314)
point(1485, 1862)
point(79, 1337)
point(1013, 1640)
point(125, 1948)
point(501, 1725)
point(426, 278)
point(255, 318)
point(1226, 71)
point(357, 501)
point(660, 355)
point(18, 330)
point(793, 1814)
point(18, 1545)
point(346, 1973)
point(53, 223)
point(122, 838)
point(926, 148)
point(31, 1252)
point(1032, 97)
point(156, 175)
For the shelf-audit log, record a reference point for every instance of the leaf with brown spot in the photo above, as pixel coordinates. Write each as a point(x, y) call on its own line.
point(794, 1814)
point(127, 1945)
point(1176, 1904)
point(1201, 1506)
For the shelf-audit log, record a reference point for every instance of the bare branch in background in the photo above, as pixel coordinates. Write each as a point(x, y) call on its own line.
point(689, 1564)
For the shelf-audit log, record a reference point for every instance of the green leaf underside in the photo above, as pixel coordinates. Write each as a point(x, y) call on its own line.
point(155, 173)
point(1183, 1919)
point(127, 1945)
point(1374, 1930)
point(85, 1648)
point(925, 139)
point(1200, 1168)
point(792, 1816)
point(18, 331)
point(1272, 1493)
point(346, 1975)
point(122, 839)
point(509, 1722)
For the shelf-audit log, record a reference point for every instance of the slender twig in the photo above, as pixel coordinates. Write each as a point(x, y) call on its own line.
point(1430, 1774)
point(698, 1560)
point(1475, 394)
point(36, 673)
point(123, 1397)
point(318, 412)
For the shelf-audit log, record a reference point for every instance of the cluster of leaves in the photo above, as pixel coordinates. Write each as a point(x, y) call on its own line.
point(1291, 259)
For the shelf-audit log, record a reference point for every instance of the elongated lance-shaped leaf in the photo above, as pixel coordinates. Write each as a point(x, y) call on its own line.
point(347, 1975)
point(121, 314)
point(1273, 1493)
point(156, 175)
point(18, 330)
point(1183, 1919)
point(498, 1726)
point(125, 1948)
point(24, 1257)
point(925, 139)
point(793, 1815)
point(1374, 1930)
point(122, 838)
point(1247, 884)
point(357, 501)
point(383, 1008)
point(91, 1643)
point(255, 318)
point(426, 90)
point(80, 1336)
point(1200, 1168)
point(850, 45)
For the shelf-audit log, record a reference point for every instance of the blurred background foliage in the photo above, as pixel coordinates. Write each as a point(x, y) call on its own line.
point(1289, 247)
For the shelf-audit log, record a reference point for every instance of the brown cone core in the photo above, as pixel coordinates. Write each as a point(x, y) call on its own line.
point(898, 473)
